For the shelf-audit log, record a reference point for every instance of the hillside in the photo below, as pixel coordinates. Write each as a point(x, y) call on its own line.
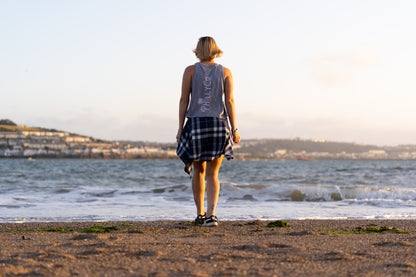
point(10, 128)
point(24, 141)
point(290, 149)
point(34, 142)
point(297, 145)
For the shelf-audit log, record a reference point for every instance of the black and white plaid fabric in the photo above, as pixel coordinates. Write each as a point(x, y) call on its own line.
point(203, 139)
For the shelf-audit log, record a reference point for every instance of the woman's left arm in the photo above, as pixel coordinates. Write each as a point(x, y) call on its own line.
point(184, 100)
point(229, 103)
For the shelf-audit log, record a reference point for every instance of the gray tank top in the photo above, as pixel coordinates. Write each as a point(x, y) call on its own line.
point(207, 92)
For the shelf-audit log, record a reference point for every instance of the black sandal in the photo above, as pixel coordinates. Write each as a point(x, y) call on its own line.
point(211, 221)
point(200, 219)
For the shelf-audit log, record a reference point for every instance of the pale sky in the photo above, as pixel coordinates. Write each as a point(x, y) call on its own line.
point(332, 70)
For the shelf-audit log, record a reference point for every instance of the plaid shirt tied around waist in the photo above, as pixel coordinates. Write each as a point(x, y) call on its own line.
point(203, 139)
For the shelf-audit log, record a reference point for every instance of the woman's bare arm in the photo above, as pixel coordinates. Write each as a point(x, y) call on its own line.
point(229, 103)
point(184, 100)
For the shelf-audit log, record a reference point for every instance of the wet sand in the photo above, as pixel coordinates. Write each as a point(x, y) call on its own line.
point(171, 248)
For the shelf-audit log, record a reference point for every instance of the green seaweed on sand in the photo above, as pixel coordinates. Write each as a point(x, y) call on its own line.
point(375, 229)
point(100, 229)
point(343, 232)
point(278, 223)
point(369, 230)
point(55, 230)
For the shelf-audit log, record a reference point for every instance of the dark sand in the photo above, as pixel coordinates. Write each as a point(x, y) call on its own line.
point(170, 248)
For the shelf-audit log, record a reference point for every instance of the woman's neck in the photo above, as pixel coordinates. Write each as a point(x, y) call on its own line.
point(211, 62)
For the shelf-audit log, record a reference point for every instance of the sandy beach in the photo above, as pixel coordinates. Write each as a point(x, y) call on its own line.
point(237, 248)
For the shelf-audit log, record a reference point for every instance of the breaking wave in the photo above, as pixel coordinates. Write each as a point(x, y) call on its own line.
point(69, 190)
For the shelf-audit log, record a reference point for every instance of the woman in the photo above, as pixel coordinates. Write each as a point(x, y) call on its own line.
point(206, 137)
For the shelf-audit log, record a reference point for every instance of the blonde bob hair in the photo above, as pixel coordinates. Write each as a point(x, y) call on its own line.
point(207, 49)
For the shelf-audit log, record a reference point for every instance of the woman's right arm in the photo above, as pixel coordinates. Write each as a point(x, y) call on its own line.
point(229, 103)
point(184, 100)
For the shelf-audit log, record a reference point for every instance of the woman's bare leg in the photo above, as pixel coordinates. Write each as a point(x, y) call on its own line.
point(213, 185)
point(198, 186)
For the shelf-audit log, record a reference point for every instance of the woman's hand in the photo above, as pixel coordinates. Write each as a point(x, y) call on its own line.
point(178, 135)
point(236, 136)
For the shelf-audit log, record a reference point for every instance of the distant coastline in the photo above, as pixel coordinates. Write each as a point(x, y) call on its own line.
point(34, 142)
point(42, 143)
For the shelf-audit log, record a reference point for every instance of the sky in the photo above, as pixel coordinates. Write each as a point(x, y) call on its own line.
point(328, 70)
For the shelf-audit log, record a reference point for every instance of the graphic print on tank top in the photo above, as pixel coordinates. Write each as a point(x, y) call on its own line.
point(206, 99)
point(207, 92)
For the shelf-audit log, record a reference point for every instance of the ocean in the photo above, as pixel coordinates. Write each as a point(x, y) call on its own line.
point(69, 190)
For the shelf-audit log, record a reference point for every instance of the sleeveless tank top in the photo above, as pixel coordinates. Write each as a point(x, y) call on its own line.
point(207, 92)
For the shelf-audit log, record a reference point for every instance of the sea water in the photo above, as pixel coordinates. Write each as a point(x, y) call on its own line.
point(118, 190)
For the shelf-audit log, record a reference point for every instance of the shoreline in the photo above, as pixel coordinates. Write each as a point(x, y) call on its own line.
point(336, 247)
point(174, 157)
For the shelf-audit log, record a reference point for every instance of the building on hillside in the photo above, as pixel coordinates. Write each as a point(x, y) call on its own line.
point(78, 139)
point(374, 154)
point(135, 150)
point(30, 152)
point(44, 133)
point(15, 152)
point(10, 135)
point(153, 150)
point(46, 138)
point(407, 156)
point(170, 152)
point(14, 142)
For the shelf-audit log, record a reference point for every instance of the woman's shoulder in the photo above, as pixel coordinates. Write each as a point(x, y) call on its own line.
point(190, 69)
point(227, 71)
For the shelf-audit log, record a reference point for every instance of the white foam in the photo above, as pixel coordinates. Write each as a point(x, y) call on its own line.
point(101, 193)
